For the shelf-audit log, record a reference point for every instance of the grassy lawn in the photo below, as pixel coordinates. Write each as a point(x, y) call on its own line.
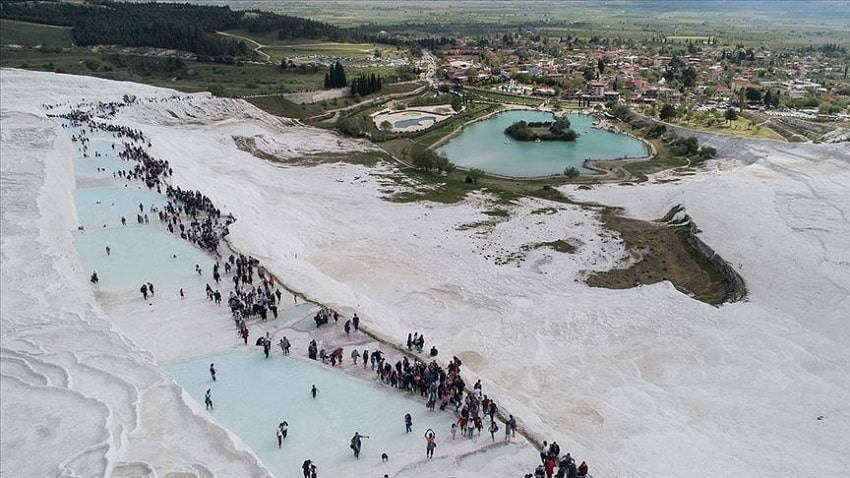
point(235, 80)
point(278, 49)
point(358, 51)
point(687, 38)
point(278, 105)
point(739, 127)
point(495, 97)
point(13, 32)
point(248, 79)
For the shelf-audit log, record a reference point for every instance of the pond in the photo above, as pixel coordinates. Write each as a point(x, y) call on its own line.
point(484, 145)
point(406, 123)
point(252, 394)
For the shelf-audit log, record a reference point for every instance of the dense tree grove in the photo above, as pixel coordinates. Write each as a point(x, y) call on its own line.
point(292, 27)
point(163, 25)
point(335, 77)
point(366, 84)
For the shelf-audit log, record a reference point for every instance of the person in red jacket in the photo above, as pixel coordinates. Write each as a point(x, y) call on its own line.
point(550, 467)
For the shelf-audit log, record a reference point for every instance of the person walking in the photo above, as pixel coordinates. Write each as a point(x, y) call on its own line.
point(357, 443)
point(208, 399)
point(408, 423)
point(212, 371)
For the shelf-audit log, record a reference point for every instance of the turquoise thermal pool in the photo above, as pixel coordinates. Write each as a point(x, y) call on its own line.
point(484, 145)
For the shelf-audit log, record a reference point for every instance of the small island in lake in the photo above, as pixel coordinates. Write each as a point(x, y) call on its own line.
point(558, 130)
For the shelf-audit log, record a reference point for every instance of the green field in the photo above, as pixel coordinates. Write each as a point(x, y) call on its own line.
point(738, 127)
point(780, 22)
point(278, 49)
point(687, 38)
point(235, 80)
point(349, 50)
point(277, 105)
point(31, 34)
point(193, 76)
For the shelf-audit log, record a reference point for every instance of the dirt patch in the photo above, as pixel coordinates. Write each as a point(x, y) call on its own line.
point(667, 250)
point(563, 246)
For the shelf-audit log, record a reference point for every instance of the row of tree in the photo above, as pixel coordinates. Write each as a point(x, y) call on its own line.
point(335, 77)
point(366, 84)
point(362, 85)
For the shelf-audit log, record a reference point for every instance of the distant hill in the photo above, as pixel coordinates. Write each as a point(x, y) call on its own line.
point(164, 25)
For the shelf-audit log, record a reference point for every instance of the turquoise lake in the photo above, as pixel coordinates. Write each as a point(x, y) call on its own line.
point(484, 145)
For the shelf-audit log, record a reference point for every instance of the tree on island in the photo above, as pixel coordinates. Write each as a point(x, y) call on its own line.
point(541, 130)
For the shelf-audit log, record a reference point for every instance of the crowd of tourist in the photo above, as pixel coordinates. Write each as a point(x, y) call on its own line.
point(255, 295)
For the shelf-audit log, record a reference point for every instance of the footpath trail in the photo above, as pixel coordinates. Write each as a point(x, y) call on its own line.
point(257, 49)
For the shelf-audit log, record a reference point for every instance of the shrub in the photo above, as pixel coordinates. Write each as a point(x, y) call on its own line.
point(424, 159)
point(216, 90)
point(706, 152)
point(474, 175)
point(684, 146)
point(620, 111)
point(656, 130)
point(667, 111)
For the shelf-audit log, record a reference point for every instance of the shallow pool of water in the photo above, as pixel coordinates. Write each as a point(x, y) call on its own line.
point(101, 206)
point(253, 394)
point(101, 158)
point(484, 145)
point(141, 254)
point(414, 122)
